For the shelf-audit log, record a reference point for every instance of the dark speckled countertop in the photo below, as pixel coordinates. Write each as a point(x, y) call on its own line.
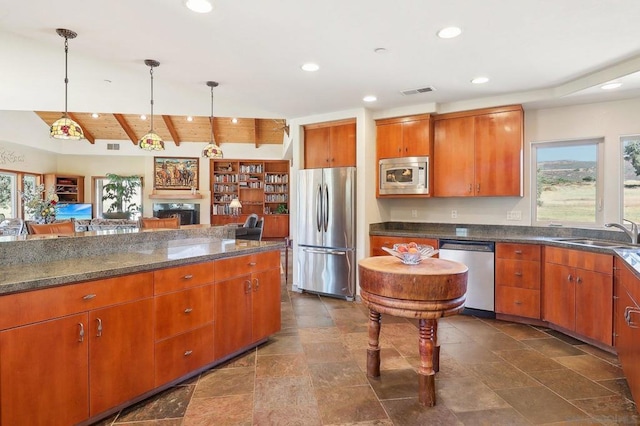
point(81, 258)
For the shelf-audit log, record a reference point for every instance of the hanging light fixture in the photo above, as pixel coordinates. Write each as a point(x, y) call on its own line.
point(151, 141)
point(212, 150)
point(64, 127)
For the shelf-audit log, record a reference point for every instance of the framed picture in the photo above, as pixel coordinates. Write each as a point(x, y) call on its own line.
point(175, 172)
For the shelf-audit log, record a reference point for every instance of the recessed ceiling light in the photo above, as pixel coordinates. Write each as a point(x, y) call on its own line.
point(449, 32)
point(612, 85)
point(380, 50)
point(95, 115)
point(189, 118)
point(234, 120)
point(199, 6)
point(143, 117)
point(370, 98)
point(310, 66)
point(480, 80)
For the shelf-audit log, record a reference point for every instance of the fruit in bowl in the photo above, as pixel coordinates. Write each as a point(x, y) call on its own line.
point(411, 253)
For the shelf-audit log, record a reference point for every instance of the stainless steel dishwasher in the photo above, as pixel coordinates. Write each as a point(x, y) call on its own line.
point(479, 258)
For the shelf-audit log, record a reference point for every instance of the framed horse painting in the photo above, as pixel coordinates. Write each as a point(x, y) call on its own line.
point(175, 172)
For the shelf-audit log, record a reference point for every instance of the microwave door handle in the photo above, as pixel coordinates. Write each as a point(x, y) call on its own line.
point(326, 208)
point(319, 208)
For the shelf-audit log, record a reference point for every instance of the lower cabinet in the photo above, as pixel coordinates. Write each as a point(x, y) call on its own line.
point(578, 292)
point(376, 242)
point(518, 280)
point(627, 325)
point(275, 226)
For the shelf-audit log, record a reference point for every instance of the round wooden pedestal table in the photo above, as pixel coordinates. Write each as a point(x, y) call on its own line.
point(432, 289)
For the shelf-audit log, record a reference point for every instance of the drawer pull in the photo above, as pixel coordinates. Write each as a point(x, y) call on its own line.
point(518, 252)
point(188, 276)
point(188, 310)
point(518, 302)
point(252, 263)
point(99, 329)
point(88, 296)
point(518, 274)
point(187, 353)
point(627, 316)
point(81, 333)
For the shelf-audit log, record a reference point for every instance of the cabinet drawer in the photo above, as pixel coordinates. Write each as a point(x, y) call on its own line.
point(184, 353)
point(518, 251)
point(182, 311)
point(39, 305)
point(521, 302)
point(518, 273)
point(579, 259)
point(376, 242)
point(241, 265)
point(181, 277)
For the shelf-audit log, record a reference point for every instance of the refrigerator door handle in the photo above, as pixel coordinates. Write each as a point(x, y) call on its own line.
point(319, 208)
point(325, 251)
point(326, 208)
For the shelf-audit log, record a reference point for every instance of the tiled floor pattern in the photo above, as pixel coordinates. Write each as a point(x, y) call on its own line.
point(313, 373)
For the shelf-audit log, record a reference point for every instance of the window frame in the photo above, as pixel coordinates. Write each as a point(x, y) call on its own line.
point(19, 176)
point(621, 212)
point(599, 210)
point(96, 197)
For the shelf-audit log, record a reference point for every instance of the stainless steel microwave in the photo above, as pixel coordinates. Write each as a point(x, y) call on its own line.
point(405, 175)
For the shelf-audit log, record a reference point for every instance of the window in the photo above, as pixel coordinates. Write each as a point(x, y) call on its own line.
point(8, 194)
point(567, 182)
point(631, 177)
point(131, 196)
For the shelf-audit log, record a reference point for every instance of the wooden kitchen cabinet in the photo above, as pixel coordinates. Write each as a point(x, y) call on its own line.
point(627, 325)
point(90, 327)
point(578, 293)
point(517, 280)
point(404, 137)
point(376, 242)
point(68, 188)
point(246, 295)
point(479, 153)
point(275, 226)
point(330, 144)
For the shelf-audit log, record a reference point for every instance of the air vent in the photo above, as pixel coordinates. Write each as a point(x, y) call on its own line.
point(113, 147)
point(420, 90)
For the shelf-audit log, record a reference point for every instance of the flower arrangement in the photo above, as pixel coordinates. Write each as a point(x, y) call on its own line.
point(41, 204)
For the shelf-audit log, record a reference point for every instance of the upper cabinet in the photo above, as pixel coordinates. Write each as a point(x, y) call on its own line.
point(330, 144)
point(479, 153)
point(68, 188)
point(404, 137)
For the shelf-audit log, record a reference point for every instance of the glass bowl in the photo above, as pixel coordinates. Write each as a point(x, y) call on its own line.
point(411, 253)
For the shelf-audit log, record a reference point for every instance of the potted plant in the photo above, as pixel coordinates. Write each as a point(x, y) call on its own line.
point(120, 191)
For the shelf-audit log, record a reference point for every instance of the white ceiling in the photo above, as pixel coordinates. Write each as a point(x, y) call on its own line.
point(536, 52)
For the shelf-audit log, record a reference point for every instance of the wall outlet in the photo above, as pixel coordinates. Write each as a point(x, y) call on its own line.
point(454, 214)
point(514, 215)
point(414, 213)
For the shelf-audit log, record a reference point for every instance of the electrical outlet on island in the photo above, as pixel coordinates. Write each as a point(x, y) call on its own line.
point(454, 214)
point(514, 215)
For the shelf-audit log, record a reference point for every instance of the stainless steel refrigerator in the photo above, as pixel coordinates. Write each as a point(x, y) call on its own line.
point(326, 231)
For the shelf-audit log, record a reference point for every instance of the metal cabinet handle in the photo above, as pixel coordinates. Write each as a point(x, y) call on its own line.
point(478, 188)
point(627, 316)
point(99, 329)
point(188, 276)
point(569, 278)
point(256, 285)
point(517, 274)
point(470, 188)
point(518, 251)
point(578, 280)
point(88, 296)
point(187, 353)
point(252, 263)
point(518, 302)
point(81, 333)
point(247, 287)
point(188, 310)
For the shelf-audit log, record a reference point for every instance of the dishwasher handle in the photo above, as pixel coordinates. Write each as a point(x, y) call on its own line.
point(483, 246)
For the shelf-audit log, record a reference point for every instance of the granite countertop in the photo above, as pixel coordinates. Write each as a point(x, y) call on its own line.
point(72, 260)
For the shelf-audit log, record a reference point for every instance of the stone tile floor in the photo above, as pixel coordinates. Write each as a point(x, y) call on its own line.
point(313, 372)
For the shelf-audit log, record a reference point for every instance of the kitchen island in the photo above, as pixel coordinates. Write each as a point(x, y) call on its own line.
point(94, 322)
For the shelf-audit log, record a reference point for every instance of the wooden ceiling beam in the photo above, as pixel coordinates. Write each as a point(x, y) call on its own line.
point(87, 134)
point(255, 132)
point(127, 129)
point(172, 129)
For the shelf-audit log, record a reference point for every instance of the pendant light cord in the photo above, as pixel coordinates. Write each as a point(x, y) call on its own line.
point(212, 136)
point(66, 78)
point(151, 72)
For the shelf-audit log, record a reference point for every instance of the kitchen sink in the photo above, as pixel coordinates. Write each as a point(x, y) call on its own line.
point(595, 243)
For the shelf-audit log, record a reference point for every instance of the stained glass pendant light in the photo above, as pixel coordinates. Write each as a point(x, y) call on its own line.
point(151, 141)
point(212, 150)
point(64, 127)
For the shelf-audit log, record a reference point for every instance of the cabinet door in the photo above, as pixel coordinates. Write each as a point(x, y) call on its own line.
point(389, 140)
point(232, 315)
point(498, 154)
point(376, 242)
point(266, 303)
point(453, 157)
point(594, 305)
point(415, 138)
point(559, 295)
point(276, 226)
point(627, 327)
point(44, 373)
point(342, 149)
point(316, 143)
point(121, 353)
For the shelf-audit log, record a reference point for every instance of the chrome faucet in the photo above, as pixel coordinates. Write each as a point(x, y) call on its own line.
point(633, 233)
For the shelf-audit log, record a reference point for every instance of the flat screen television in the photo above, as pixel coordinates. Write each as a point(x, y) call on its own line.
point(75, 211)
